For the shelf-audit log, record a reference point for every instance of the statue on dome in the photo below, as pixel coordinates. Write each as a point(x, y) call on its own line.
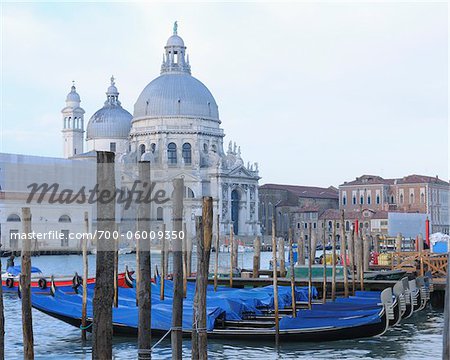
point(175, 28)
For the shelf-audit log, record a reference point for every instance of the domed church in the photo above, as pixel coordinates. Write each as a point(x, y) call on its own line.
point(176, 126)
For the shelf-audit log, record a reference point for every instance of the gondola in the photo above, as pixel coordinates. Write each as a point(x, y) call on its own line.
point(10, 280)
point(309, 325)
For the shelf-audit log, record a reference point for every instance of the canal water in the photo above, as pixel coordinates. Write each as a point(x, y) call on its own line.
point(419, 337)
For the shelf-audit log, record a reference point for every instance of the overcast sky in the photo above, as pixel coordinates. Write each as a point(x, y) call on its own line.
point(317, 94)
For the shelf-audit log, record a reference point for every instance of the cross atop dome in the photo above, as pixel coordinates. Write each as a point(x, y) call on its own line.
point(174, 57)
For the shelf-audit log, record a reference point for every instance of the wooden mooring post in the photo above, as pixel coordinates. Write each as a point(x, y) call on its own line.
point(85, 277)
point(2, 322)
point(116, 269)
point(25, 284)
point(216, 255)
point(334, 258)
point(281, 256)
point(361, 258)
point(185, 260)
point(275, 282)
point(163, 264)
point(102, 328)
point(257, 257)
point(203, 255)
point(231, 247)
point(301, 249)
point(144, 268)
point(324, 263)
point(344, 252)
point(194, 338)
point(177, 304)
point(292, 271)
point(310, 263)
point(446, 332)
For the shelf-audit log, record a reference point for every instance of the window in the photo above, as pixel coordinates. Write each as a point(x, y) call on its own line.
point(65, 238)
point(422, 198)
point(112, 146)
point(411, 198)
point(205, 148)
point(213, 148)
point(188, 193)
point(337, 225)
point(153, 148)
point(187, 154)
point(172, 153)
point(369, 200)
point(401, 198)
point(13, 218)
point(347, 226)
point(361, 199)
point(330, 225)
point(64, 219)
point(378, 199)
point(306, 225)
point(159, 214)
point(392, 199)
point(314, 226)
point(354, 200)
point(344, 201)
point(14, 239)
point(298, 225)
point(141, 149)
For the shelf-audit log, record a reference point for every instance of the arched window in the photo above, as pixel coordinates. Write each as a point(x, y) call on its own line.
point(13, 218)
point(411, 198)
point(188, 193)
point(141, 149)
point(369, 199)
point(378, 199)
point(153, 148)
point(392, 199)
point(172, 153)
point(401, 198)
point(361, 199)
point(344, 201)
point(205, 148)
point(330, 226)
point(347, 226)
point(187, 154)
point(159, 214)
point(422, 198)
point(354, 200)
point(64, 219)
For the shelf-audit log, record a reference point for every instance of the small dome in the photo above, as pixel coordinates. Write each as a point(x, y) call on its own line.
point(175, 40)
point(73, 95)
point(109, 122)
point(176, 94)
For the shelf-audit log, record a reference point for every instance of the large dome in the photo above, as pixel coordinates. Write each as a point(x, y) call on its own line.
point(176, 94)
point(111, 121)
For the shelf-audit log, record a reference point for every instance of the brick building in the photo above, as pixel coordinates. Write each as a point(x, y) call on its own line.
point(289, 203)
point(410, 194)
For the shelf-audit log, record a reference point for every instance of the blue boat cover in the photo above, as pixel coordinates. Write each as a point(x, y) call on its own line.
point(15, 270)
point(288, 322)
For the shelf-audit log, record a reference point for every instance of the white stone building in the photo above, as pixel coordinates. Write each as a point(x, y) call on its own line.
point(175, 126)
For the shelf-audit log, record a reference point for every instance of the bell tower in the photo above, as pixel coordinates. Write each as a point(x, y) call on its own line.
point(73, 124)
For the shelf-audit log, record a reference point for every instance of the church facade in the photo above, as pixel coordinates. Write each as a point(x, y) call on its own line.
point(176, 126)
